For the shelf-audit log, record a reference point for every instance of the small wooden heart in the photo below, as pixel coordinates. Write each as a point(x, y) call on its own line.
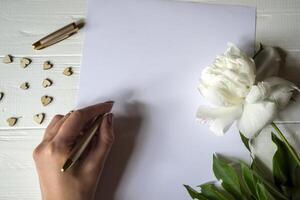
point(68, 71)
point(12, 121)
point(47, 65)
point(46, 100)
point(39, 118)
point(24, 62)
point(7, 59)
point(47, 83)
point(1, 95)
point(24, 86)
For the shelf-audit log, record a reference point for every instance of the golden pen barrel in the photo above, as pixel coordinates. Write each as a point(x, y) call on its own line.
point(82, 144)
point(56, 36)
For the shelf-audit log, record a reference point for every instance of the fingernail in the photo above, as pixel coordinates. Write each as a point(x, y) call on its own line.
point(69, 113)
point(110, 102)
point(110, 118)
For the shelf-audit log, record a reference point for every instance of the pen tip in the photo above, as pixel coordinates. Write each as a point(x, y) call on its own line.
point(67, 165)
point(37, 45)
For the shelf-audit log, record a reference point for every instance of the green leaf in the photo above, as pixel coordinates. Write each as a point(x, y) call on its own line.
point(261, 172)
point(228, 175)
point(194, 194)
point(284, 165)
point(263, 193)
point(245, 140)
point(280, 168)
point(296, 194)
point(261, 169)
point(296, 178)
point(249, 179)
point(211, 192)
point(293, 192)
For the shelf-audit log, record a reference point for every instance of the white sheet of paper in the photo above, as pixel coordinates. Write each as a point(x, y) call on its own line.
point(148, 55)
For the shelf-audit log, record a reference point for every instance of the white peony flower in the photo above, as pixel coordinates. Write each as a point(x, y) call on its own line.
point(229, 84)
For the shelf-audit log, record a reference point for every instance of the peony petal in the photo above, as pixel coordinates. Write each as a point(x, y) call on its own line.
point(247, 65)
point(232, 49)
point(212, 94)
point(228, 80)
point(221, 126)
point(219, 118)
point(258, 92)
point(248, 69)
point(281, 91)
point(281, 96)
point(221, 94)
point(263, 148)
point(268, 62)
point(274, 81)
point(255, 117)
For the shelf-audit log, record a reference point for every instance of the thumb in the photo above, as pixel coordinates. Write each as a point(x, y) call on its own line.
point(102, 145)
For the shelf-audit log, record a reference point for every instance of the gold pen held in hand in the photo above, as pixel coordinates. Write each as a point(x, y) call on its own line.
point(58, 35)
point(82, 144)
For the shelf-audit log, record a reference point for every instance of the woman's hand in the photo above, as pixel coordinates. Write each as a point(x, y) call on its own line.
point(80, 182)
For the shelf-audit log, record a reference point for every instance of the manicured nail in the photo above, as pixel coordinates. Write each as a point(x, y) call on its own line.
point(69, 113)
point(110, 102)
point(110, 118)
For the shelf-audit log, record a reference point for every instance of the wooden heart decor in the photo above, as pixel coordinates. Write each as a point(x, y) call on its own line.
point(46, 100)
point(47, 65)
point(24, 62)
point(24, 86)
point(1, 95)
point(68, 71)
point(7, 59)
point(47, 83)
point(12, 121)
point(39, 118)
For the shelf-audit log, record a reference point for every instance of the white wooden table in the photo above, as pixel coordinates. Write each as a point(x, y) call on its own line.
point(23, 22)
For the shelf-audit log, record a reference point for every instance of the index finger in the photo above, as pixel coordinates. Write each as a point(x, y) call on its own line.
point(73, 126)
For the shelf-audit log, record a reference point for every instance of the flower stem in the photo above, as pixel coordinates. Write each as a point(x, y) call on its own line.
point(290, 148)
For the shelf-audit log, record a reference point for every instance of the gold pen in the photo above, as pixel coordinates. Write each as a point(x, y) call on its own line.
point(81, 145)
point(58, 35)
